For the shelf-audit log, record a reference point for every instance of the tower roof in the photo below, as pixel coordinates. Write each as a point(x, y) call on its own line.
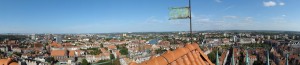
point(190, 54)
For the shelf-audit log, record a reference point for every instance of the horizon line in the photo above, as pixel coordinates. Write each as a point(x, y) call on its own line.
point(151, 32)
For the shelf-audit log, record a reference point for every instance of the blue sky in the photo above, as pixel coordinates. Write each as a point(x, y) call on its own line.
point(104, 16)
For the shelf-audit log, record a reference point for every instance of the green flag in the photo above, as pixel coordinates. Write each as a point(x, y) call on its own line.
point(179, 13)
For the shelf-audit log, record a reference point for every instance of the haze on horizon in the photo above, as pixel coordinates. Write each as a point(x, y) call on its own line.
point(102, 16)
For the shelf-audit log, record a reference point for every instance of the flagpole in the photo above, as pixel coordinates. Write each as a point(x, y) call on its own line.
point(190, 12)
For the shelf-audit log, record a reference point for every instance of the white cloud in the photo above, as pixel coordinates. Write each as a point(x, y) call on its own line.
point(279, 20)
point(227, 8)
point(230, 16)
point(153, 19)
point(269, 4)
point(281, 3)
point(219, 1)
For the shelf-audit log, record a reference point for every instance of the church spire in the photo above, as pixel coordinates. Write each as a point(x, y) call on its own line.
point(247, 58)
point(287, 59)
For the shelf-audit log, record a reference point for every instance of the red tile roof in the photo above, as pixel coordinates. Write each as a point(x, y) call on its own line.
point(191, 54)
point(14, 63)
point(252, 56)
point(38, 45)
point(165, 43)
point(58, 53)
point(147, 46)
point(223, 57)
point(11, 42)
point(68, 44)
point(106, 54)
point(103, 50)
point(7, 62)
point(71, 53)
point(112, 47)
point(55, 44)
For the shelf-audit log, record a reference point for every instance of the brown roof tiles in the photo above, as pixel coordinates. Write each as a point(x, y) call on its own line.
point(223, 57)
point(169, 55)
point(191, 54)
point(14, 63)
point(7, 62)
point(112, 47)
point(55, 44)
point(58, 53)
point(72, 53)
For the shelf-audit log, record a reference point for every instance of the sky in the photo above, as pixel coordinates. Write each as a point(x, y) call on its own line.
point(106, 16)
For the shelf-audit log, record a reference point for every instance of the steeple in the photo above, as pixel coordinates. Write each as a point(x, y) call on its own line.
point(247, 58)
point(268, 56)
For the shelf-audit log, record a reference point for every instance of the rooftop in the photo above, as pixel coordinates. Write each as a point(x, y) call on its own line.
point(7, 62)
point(191, 54)
point(58, 53)
point(72, 53)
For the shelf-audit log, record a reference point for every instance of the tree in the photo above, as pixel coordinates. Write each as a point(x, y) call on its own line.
point(124, 51)
point(18, 54)
point(118, 46)
point(101, 61)
point(49, 59)
point(116, 62)
point(108, 39)
point(258, 63)
point(84, 62)
point(241, 59)
point(95, 51)
point(101, 45)
point(122, 39)
point(212, 57)
point(112, 56)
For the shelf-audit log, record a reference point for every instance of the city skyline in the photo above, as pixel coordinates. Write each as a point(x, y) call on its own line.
point(57, 16)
